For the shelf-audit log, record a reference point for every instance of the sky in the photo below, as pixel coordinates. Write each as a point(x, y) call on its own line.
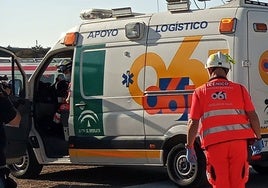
point(27, 23)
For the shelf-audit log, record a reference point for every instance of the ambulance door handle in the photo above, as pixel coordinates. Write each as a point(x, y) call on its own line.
point(80, 105)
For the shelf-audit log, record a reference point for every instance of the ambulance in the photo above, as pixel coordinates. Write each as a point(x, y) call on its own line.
point(132, 80)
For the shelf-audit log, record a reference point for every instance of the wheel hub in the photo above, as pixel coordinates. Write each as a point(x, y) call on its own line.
point(184, 168)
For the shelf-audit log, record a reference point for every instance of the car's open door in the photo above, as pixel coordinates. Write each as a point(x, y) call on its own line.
point(12, 73)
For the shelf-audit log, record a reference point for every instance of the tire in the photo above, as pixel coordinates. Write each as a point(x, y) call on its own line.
point(184, 174)
point(28, 167)
point(260, 169)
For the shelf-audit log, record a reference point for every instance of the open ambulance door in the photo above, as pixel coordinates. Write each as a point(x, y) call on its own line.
point(17, 138)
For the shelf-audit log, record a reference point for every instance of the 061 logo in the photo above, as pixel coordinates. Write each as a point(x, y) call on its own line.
point(219, 95)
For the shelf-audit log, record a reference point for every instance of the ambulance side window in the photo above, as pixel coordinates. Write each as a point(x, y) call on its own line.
point(92, 72)
point(18, 81)
point(46, 92)
point(14, 77)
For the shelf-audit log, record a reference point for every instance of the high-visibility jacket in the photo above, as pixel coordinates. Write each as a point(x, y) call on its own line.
point(221, 106)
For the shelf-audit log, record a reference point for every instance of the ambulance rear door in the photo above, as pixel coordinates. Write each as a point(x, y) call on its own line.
point(258, 68)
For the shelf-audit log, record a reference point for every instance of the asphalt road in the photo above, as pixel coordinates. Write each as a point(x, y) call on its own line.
point(127, 177)
point(255, 181)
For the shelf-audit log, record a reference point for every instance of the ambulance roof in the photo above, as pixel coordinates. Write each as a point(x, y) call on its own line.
point(180, 14)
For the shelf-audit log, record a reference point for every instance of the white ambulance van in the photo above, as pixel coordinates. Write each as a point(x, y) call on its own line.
point(132, 80)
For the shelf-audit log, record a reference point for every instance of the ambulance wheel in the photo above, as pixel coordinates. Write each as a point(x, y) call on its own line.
point(28, 167)
point(260, 169)
point(183, 173)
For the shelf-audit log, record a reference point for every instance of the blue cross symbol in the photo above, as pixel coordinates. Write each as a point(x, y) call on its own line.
point(127, 78)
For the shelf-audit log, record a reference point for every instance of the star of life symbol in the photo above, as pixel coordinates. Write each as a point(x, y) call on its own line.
point(127, 78)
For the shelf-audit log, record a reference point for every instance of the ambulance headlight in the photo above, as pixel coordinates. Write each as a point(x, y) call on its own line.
point(135, 30)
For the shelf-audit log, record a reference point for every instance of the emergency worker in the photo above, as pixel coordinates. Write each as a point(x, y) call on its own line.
point(225, 117)
point(11, 117)
point(63, 92)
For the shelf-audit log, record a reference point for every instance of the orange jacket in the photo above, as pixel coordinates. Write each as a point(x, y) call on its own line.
point(221, 106)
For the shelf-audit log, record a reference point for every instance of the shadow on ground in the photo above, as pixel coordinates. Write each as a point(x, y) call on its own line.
point(105, 176)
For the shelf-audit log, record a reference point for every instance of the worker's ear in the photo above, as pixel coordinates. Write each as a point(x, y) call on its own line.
point(210, 70)
point(226, 71)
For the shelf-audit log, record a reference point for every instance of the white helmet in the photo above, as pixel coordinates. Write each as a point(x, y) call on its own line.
point(65, 64)
point(218, 60)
